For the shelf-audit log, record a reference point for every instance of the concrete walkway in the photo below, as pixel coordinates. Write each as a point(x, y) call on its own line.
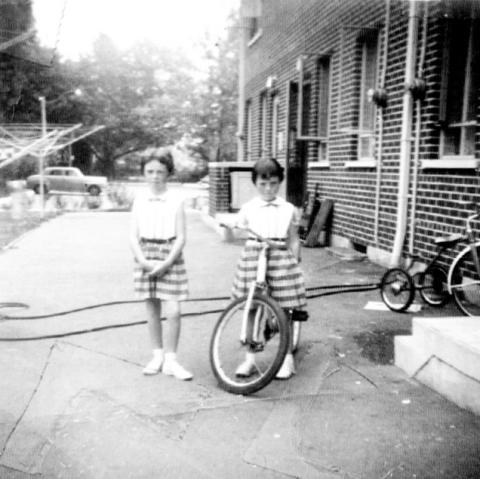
point(78, 406)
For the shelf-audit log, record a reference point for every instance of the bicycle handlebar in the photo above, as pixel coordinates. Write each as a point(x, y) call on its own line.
point(473, 206)
point(248, 230)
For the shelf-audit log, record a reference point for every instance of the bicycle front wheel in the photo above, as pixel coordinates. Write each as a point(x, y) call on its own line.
point(269, 342)
point(465, 283)
point(397, 289)
point(433, 286)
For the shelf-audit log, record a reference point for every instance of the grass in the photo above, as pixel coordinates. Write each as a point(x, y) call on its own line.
point(11, 229)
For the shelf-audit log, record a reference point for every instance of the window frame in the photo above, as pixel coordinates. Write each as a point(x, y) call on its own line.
point(275, 124)
point(263, 116)
point(464, 123)
point(248, 133)
point(372, 38)
point(324, 96)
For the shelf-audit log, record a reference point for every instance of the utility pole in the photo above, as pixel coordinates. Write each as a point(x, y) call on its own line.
point(41, 158)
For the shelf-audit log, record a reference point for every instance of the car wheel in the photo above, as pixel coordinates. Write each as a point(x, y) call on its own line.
point(94, 190)
point(36, 189)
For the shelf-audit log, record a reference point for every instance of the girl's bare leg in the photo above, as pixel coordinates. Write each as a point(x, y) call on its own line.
point(171, 366)
point(172, 326)
point(154, 310)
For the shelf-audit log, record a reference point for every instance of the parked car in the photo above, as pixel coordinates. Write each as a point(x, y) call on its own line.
point(67, 179)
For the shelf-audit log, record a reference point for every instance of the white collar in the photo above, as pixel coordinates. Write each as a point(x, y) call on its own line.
point(153, 197)
point(275, 202)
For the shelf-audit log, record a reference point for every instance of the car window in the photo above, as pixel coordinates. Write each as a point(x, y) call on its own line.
point(53, 172)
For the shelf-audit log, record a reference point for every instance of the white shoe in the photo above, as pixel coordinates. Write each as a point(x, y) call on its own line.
point(246, 369)
point(172, 368)
point(154, 366)
point(287, 369)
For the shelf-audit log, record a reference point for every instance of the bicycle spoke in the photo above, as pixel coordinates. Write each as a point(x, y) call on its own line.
point(268, 345)
point(465, 285)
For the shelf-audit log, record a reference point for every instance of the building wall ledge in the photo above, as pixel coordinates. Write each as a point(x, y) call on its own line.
point(316, 165)
point(460, 162)
point(231, 164)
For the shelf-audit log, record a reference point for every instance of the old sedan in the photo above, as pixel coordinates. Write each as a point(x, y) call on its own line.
point(64, 179)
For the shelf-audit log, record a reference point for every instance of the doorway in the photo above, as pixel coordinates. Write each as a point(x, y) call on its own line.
point(297, 151)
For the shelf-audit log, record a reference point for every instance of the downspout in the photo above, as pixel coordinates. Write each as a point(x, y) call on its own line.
point(418, 120)
point(380, 119)
point(405, 138)
point(241, 91)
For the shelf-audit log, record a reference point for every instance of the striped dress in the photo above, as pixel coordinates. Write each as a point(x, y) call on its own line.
point(284, 276)
point(153, 218)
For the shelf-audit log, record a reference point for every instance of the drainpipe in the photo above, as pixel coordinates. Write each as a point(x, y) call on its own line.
point(380, 119)
point(418, 120)
point(405, 139)
point(241, 90)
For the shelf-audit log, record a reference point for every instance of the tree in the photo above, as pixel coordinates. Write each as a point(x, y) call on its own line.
point(136, 94)
point(215, 120)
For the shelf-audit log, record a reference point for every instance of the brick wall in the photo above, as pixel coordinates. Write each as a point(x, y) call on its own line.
point(219, 191)
point(313, 28)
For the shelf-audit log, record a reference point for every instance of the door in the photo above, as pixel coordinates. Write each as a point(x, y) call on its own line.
point(296, 151)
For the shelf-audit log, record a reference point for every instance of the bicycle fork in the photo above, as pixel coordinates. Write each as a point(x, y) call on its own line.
point(259, 282)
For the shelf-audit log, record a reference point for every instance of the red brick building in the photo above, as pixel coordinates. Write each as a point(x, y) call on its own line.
point(376, 102)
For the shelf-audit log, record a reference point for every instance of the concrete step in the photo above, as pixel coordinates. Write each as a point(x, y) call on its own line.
point(456, 340)
point(444, 354)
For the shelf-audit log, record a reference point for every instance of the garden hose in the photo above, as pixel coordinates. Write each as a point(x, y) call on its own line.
point(326, 291)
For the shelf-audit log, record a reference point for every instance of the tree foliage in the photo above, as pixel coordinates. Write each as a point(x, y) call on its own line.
point(135, 94)
point(215, 121)
point(144, 96)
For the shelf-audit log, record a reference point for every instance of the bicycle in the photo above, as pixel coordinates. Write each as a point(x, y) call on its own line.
point(435, 285)
point(254, 323)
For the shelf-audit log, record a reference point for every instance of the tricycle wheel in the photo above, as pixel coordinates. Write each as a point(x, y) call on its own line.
point(397, 289)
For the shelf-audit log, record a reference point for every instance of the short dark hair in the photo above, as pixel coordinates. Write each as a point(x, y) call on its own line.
point(162, 155)
point(266, 168)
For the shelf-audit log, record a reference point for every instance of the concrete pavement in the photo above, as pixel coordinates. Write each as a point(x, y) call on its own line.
point(79, 407)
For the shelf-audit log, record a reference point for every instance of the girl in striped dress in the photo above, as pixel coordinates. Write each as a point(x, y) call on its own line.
point(271, 217)
point(157, 239)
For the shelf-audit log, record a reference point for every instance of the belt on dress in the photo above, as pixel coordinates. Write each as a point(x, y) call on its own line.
point(158, 240)
point(278, 246)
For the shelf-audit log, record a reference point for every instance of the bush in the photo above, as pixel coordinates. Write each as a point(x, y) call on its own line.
point(119, 195)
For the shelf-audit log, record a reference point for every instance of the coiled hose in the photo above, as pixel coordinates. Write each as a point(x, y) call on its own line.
point(324, 291)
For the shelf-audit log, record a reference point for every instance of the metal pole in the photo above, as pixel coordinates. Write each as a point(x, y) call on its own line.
point(41, 158)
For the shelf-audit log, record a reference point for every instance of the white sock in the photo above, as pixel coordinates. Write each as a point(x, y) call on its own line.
point(157, 352)
point(250, 357)
point(170, 357)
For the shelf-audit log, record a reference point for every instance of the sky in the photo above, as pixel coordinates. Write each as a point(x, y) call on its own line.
point(176, 23)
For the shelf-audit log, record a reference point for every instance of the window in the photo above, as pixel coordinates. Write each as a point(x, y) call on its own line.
point(369, 60)
point(323, 106)
point(275, 123)
point(248, 133)
point(460, 84)
point(263, 124)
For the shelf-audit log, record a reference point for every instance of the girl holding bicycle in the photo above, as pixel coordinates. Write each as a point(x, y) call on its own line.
point(271, 217)
point(157, 239)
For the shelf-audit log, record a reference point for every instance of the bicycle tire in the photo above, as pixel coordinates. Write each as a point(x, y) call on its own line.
point(227, 352)
point(296, 332)
point(464, 283)
point(433, 285)
point(397, 289)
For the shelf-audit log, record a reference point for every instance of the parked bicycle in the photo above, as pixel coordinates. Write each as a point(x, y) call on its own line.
point(254, 323)
point(434, 284)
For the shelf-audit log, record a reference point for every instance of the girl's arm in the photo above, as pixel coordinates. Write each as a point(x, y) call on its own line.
point(180, 234)
point(293, 240)
point(134, 243)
